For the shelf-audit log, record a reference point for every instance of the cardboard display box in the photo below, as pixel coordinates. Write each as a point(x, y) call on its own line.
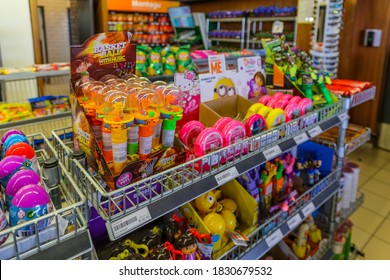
point(247, 215)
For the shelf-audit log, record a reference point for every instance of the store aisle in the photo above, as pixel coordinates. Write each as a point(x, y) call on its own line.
point(371, 232)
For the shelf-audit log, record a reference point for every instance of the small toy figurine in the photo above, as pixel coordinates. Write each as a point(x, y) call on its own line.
point(300, 246)
point(187, 243)
point(321, 81)
point(289, 162)
point(317, 164)
point(315, 234)
point(166, 251)
point(171, 231)
point(207, 202)
point(278, 180)
point(152, 239)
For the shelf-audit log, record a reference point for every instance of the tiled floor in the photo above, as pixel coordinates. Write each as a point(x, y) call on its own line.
point(371, 231)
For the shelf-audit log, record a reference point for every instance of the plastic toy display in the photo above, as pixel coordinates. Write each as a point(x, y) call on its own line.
point(297, 71)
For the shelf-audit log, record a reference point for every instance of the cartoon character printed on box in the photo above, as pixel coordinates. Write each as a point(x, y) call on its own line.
point(257, 86)
point(224, 87)
point(187, 83)
point(81, 65)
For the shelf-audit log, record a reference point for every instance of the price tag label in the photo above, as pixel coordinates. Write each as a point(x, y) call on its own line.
point(226, 175)
point(308, 209)
point(315, 131)
point(274, 238)
point(126, 224)
point(294, 221)
point(272, 152)
point(344, 116)
point(299, 139)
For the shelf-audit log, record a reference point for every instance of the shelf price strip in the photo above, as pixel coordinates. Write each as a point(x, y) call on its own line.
point(226, 175)
point(272, 152)
point(343, 117)
point(308, 209)
point(129, 222)
point(274, 238)
point(294, 221)
point(315, 131)
point(299, 139)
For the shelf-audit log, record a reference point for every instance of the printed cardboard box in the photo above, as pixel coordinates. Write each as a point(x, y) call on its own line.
point(247, 216)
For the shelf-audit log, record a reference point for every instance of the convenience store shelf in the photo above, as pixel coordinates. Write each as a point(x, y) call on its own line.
point(239, 19)
point(131, 216)
point(260, 245)
point(34, 120)
point(232, 40)
point(33, 75)
point(256, 19)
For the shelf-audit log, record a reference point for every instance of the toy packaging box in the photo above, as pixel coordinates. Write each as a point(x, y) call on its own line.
point(111, 53)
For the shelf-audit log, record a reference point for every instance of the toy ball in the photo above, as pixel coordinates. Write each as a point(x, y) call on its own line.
point(10, 165)
point(215, 223)
point(206, 202)
point(230, 220)
point(12, 139)
point(3, 225)
point(25, 150)
point(29, 203)
point(229, 204)
point(19, 180)
point(9, 133)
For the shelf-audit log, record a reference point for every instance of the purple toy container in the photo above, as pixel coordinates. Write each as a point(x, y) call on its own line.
point(10, 165)
point(12, 139)
point(19, 180)
point(29, 203)
point(9, 133)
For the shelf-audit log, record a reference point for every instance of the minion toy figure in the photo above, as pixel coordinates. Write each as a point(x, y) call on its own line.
point(224, 87)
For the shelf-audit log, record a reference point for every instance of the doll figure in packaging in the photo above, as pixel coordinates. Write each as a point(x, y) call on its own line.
point(187, 243)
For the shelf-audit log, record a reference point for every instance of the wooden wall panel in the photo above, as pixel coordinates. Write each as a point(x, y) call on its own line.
point(363, 63)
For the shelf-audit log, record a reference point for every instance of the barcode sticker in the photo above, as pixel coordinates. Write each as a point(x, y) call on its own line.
point(274, 238)
point(299, 139)
point(308, 209)
point(344, 116)
point(294, 221)
point(126, 224)
point(315, 131)
point(272, 152)
point(226, 175)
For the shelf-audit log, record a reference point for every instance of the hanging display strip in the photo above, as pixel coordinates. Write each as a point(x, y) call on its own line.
point(258, 245)
point(67, 220)
point(189, 181)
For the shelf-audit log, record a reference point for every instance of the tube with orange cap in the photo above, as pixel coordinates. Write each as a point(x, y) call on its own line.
point(102, 108)
point(146, 118)
point(171, 111)
point(118, 123)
